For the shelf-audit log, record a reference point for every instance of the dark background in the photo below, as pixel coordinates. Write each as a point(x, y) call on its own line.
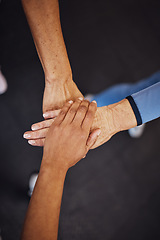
point(114, 193)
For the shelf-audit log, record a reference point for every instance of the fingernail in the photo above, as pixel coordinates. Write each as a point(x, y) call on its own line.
point(99, 132)
point(94, 101)
point(31, 142)
point(26, 135)
point(70, 101)
point(80, 98)
point(45, 115)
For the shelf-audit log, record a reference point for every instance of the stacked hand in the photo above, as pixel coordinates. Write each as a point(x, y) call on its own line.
point(70, 128)
point(103, 120)
point(67, 139)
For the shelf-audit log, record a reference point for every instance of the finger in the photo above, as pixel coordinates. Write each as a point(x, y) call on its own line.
point(88, 120)
point(93, 138)
point(38, 143)
point(51, 114)
point(63, 112)
point(36, 134)
point(43, 124)
point(81, 112)
point(72, 111)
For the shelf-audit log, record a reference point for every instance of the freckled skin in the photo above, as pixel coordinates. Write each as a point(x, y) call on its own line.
point(44, 21)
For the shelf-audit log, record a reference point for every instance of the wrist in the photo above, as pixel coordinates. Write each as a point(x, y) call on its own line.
point(52, 166)
point(123, 116)
point(57, 79)
point(58, 76)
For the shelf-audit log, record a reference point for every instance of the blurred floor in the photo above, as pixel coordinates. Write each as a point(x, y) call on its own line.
point(114, 193)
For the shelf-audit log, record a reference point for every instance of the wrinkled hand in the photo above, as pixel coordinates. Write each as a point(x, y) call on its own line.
point(66, 140)
point(56, 94)
point(103, 120)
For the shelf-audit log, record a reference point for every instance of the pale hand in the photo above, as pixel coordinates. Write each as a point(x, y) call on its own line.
point(103, 120)
point(57, 93)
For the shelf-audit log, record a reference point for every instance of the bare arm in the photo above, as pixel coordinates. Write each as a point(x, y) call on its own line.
point(42, 217)
point(66, 143)
point(44, 21)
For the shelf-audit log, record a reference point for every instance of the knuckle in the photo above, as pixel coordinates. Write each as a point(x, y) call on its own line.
point(72, 111)
point(82, 109)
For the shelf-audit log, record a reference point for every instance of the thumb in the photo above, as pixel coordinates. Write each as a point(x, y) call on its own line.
point(93, 138)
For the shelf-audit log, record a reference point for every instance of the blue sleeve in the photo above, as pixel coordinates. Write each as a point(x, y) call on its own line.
point(146, 103)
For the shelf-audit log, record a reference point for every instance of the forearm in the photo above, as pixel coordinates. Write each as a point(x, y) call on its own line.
point(42, 217)
point(44, 21)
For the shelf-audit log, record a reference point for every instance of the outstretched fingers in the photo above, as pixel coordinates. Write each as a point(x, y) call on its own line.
point(36, 134)
point(37, 142)
point(43, 124)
